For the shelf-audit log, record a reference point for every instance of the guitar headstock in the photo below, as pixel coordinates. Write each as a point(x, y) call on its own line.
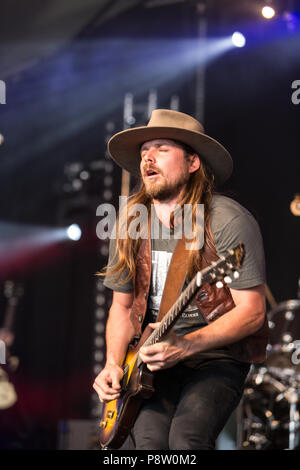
point(13, 290)
point(225, 267)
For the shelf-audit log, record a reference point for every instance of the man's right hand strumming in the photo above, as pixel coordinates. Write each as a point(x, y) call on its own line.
point(107, 383)
point(119, 333)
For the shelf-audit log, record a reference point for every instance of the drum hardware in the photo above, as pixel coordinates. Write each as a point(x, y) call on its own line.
point(270, 408)
point(291, 396)
point(259, 440)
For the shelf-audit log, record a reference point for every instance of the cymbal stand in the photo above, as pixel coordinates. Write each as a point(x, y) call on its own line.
point(292, 397)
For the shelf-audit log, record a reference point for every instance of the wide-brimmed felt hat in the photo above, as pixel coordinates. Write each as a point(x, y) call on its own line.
point(124, 147)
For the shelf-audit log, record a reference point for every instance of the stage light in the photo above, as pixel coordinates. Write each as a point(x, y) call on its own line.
point(100, 313)
point(74, 232)
point(238, 39)
point(290, 19)
point(268, 12)
point(1, 139)
point(104, 250)
point(100, 299)
point(99, 341)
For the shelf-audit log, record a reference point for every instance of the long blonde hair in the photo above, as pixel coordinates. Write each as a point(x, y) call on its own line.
point(199, 190)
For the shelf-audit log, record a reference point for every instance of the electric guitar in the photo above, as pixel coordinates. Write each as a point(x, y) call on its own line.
point(118, 416)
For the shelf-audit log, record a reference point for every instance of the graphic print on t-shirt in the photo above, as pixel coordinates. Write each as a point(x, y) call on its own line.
point(160, 265)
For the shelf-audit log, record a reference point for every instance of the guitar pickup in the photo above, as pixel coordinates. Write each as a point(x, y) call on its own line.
point(123, 382)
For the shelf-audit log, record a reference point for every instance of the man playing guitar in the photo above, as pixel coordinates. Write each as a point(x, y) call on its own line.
point(201, 365)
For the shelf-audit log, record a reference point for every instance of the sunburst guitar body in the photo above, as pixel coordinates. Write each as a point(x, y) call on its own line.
point(118, 416)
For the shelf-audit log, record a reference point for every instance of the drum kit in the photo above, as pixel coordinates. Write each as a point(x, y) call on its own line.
point(269, 412)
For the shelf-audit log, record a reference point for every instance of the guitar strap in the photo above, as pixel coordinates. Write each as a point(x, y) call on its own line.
point(175, 278)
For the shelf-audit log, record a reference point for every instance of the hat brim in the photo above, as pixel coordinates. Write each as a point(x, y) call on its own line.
point(124, 148)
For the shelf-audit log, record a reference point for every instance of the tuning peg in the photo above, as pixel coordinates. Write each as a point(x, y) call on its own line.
point(219, 284)
point(236, 274)
point(227, 279)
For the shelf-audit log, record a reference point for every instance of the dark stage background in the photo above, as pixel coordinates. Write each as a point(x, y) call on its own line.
point(67, 67)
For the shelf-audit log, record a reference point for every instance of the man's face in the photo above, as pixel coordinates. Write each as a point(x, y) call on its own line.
point(164, 168)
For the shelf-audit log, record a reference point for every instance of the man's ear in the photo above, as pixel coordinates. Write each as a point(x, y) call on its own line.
point(194, 163)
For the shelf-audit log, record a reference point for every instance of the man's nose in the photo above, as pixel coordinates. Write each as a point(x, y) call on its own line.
point(150, 154)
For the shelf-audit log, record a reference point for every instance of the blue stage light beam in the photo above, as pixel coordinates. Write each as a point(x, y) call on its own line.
point(87, 81)
point(26, 246)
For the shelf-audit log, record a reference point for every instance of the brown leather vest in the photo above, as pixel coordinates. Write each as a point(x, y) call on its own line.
point(211, 301)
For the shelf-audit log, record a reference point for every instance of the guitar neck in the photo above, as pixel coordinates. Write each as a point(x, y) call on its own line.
point(9, 316)
point(12, 292)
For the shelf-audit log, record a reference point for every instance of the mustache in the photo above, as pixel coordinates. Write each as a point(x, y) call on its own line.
point(151, 167)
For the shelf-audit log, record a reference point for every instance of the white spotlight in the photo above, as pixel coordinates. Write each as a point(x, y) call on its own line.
point(74, 232)
point(238, 39)
point(268, 12)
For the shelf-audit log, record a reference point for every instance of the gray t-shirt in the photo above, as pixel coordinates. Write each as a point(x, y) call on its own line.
point(231, 224)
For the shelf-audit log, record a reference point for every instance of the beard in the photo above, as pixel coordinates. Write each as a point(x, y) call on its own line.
point(163, 189)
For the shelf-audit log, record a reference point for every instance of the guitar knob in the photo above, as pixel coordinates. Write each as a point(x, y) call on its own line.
point(219, 284)
point(236, 274)
point(227, 279)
